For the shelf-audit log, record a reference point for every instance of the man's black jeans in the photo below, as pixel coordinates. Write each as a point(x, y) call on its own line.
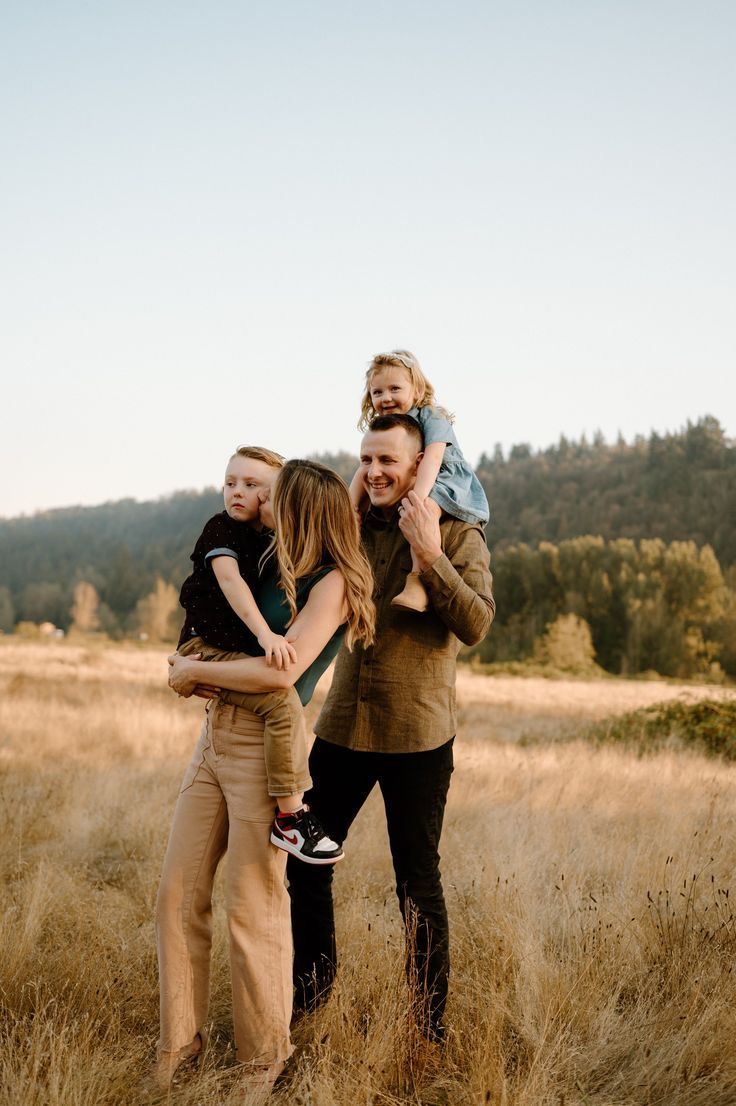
point(414, 788)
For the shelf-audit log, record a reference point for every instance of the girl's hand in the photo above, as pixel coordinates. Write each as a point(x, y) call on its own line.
point(278, 650)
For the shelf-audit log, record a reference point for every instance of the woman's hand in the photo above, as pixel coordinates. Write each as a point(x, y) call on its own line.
point(184, 675)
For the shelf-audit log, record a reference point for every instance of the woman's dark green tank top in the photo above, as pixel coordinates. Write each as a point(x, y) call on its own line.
point(274, 608)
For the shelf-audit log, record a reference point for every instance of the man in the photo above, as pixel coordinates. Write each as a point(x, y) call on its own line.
point(390, 719)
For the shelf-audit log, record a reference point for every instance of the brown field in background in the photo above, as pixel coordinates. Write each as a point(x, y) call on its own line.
point(589, 893)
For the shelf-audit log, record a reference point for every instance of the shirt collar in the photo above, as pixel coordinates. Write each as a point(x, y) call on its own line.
point(376, 519)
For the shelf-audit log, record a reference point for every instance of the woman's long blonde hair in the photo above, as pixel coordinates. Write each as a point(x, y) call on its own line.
point(398, 359)
point(316, 525)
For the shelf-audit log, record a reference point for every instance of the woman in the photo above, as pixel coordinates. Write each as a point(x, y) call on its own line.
point(322, 593)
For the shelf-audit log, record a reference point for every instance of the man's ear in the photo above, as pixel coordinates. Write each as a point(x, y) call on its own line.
point(418, 459)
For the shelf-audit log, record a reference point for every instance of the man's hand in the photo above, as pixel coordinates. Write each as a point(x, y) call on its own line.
point(183, 681)
point(420, 525)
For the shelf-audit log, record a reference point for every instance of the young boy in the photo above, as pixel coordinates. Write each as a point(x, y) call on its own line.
point(223, 622)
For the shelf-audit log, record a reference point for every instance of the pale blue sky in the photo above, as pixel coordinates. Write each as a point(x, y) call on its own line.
point(212, 215)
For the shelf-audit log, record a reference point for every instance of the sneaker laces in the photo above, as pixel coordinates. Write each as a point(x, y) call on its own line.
point(311, 829)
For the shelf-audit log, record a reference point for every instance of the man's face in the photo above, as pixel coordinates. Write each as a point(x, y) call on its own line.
point(388, 461)
point(246, 479)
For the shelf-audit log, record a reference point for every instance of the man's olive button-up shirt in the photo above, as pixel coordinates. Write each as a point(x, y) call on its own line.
point(398, 696)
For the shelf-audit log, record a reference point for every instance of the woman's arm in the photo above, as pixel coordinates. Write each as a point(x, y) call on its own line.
point(312, 628)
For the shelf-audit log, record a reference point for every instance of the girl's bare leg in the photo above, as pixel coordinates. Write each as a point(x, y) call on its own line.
point(414, 596)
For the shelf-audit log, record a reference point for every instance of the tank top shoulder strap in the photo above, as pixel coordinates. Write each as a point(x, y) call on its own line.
point(305, 585)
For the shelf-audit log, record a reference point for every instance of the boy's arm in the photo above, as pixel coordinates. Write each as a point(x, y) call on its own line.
point(240, 597)
point(429, 467)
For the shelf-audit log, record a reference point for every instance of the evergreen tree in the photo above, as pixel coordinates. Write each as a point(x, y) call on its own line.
point(7, 611)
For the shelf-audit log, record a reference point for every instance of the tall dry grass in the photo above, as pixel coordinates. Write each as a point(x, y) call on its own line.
point(588, 891)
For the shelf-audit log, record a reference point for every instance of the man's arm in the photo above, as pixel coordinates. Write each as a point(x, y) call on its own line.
point(458, 579)
point(459, 583)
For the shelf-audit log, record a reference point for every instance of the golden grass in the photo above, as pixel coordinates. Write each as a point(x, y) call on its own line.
point(588, 892)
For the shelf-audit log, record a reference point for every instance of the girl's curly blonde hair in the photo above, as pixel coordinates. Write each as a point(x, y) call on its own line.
point(398, 359)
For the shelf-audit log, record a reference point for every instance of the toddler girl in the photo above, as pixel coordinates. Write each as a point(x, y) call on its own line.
point(396, 384)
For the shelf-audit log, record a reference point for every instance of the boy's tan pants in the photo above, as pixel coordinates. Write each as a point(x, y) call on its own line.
point(285, 737)
point(224, 805)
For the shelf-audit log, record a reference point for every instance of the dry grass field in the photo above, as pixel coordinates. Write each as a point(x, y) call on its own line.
point(588, 888)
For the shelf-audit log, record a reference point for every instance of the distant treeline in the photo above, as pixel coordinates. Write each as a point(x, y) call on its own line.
point(679, 487)
point(642, 606)
point(121, 548)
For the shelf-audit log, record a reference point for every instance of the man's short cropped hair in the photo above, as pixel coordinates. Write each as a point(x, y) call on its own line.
point(410, 425)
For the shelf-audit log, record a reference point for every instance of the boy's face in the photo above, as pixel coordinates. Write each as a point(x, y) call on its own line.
point(246, 480)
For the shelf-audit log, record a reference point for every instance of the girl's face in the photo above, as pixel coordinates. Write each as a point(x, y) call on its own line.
point(391, 391)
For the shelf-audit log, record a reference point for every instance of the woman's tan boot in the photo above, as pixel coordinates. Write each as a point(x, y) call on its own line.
point(257, 1083)
point(168, 1063)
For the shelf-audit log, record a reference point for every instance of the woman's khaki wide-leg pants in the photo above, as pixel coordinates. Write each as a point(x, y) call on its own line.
point(224, 806)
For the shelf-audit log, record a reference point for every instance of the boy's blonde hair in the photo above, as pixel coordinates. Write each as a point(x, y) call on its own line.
point(259, 453)
point(398, 359)
point(316, 525)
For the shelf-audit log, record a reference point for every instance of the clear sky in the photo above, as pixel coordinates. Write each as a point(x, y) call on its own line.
point(213, 214)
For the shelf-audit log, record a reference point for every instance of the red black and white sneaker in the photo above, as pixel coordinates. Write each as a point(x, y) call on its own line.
point(301, 834)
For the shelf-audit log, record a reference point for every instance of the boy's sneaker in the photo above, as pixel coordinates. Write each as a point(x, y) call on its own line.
point(301, 834)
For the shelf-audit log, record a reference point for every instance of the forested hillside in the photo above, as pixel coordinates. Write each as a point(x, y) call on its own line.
point(678, 488)
point(120, 548)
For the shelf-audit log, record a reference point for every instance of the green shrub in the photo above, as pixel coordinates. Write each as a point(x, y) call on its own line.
point(708, 726)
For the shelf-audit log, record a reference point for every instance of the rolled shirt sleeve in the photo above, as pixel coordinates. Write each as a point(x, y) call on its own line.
point(460, 584)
